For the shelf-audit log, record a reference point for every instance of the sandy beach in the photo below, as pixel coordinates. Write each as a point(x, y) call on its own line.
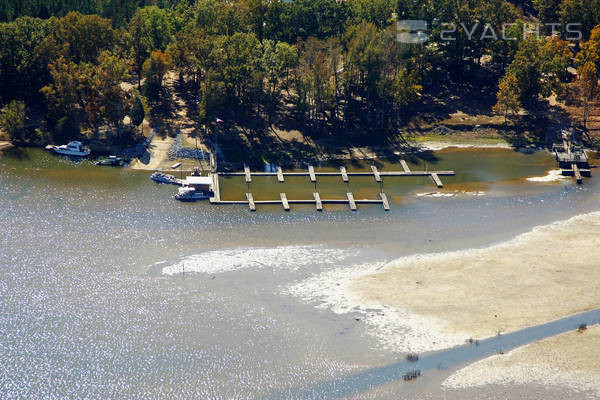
point(569, 360)
point(435, 301)
point(5, 145)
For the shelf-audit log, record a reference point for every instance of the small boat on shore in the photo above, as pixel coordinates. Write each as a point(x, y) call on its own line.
point(111, 161)
point(73, 148)
point(165, 178)
point(195, 188)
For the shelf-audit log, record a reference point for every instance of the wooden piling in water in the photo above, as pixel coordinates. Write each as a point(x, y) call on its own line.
point(344, 174)
point(384, 199)
point(404, 166)
point(318, 201)
point(351, 201)
point(576, 173)
point(280, 174)
point(311, 173)
point(284, 201)
point(437, 180)
point(376, 173)
point(251, 202)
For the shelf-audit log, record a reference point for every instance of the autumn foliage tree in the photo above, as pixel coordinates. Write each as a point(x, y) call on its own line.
point(508, 97)
point(588, 83)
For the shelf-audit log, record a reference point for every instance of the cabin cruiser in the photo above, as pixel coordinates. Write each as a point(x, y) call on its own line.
point(164, 178)
point(111, 161)
point(74, 148)
point(195, 188)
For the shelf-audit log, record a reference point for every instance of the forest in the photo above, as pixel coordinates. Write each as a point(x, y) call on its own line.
point(70, 68)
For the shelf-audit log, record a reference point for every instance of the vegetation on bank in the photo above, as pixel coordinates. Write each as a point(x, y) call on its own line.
point(328, 69)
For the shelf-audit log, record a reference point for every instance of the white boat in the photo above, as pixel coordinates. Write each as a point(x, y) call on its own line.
point(195, 188)
point(74, 148)
point(164, 178)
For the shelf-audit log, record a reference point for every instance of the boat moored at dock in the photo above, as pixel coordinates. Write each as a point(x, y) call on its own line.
point(111, 161)
point(195, 188)
point(165, 178)
point(73, 148)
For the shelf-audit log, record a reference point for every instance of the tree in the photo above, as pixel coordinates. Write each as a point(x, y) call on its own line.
point(508, 97)
point(137, 112)
point(540, 67)
point(590, 50)
point(154, 69)
point(24, 59)
point(286, 56)
point(83, 37)
point(12, 120)
point(150, 29)
point(588, 82)
point(407, 88)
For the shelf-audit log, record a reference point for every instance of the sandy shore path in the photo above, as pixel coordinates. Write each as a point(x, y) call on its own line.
point(156, 155)
point(569, 360)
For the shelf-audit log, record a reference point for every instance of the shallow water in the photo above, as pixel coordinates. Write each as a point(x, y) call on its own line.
point(86, 310)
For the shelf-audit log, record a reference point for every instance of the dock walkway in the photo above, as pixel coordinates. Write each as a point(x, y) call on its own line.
point(313, 175)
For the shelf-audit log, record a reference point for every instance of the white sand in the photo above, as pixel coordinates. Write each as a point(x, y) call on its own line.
point(434, 301)
point(552, 176)
point(569, 360)
point(283, 257)
point(435, 146)
point(451, 194)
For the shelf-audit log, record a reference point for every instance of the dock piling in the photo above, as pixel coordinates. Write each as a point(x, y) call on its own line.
point(311, 173)
point(284, 201)
point(376, 173)
point(344, 174)
point(437, 180)
point(351, 201)
point(318, 201)
point(251, 201)
point(384, 199)
point(404, 166)
point(248, 174)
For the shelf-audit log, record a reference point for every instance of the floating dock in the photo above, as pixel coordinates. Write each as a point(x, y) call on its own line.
point(317, 200)
point(572, 158)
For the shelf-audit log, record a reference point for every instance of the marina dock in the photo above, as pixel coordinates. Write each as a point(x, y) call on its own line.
point(572, 158)
point(313, 175)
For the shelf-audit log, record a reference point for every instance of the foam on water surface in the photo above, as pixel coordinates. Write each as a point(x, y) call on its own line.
point(281, 257)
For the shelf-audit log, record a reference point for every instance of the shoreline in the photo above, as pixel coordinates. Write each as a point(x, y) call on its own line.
point(5, 145)
point(434, 301)
point(568, 360)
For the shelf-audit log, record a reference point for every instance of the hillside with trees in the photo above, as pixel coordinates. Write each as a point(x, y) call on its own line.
point(325, 68)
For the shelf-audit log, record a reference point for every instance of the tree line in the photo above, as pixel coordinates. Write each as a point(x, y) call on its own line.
point(320, 64)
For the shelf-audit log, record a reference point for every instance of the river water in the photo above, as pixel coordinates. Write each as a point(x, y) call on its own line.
point(111, 289)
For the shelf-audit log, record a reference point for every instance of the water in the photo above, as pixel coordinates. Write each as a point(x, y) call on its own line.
point(87, 312)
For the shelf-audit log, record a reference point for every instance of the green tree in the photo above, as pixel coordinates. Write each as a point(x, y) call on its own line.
point(12, 120)
point(137, 112)
point(24, 59)
point(150, 29)
point(540, 66)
